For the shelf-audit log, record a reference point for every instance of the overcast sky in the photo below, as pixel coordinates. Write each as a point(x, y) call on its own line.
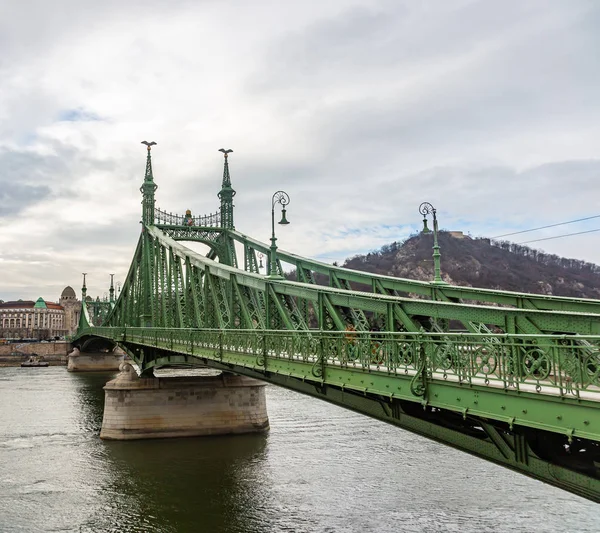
point(360, 110)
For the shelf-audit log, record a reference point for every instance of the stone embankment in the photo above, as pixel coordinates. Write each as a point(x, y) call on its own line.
point(54, 353)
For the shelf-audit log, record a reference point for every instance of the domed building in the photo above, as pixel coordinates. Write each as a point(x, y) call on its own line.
point(72, 306)
point(26, 319)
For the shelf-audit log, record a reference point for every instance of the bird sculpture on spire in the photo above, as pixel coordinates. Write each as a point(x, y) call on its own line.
point(225, 152)
point(149, 144)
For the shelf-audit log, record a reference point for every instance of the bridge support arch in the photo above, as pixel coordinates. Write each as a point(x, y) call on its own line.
point(160, 407)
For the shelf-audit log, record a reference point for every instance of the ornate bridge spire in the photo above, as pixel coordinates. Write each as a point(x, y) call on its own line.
point(226, 194)
point(148, 189)
point(84, 288)
point(112, 289)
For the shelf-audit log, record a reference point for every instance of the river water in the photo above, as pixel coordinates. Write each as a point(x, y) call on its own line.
point(319, 469)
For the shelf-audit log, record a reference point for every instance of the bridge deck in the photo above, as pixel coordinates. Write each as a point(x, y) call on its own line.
point(544, 385)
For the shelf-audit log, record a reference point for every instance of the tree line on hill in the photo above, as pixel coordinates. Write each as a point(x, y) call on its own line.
point(481, 262)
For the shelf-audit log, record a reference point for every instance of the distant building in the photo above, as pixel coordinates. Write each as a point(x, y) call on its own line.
point(40, 319)
point(72, 307)
point(458, 235)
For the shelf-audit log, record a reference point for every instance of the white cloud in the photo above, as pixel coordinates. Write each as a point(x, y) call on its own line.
point(360, 110)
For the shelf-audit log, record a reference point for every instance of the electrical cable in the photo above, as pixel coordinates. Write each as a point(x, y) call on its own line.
point(544, 227)
point(560, 236)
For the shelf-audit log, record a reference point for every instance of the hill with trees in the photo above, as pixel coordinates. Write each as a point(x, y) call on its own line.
point(481, 262)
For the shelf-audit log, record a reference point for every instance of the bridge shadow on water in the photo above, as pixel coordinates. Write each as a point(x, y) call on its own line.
point(190, 484)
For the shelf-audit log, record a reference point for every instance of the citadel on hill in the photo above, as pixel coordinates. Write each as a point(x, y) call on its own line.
point(26, 319)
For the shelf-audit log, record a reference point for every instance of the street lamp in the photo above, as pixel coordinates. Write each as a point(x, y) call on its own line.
point(427, 209)
point(280, 197)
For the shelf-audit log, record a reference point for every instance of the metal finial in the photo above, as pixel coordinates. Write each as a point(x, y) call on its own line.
point(149, 144)
point(225, 152)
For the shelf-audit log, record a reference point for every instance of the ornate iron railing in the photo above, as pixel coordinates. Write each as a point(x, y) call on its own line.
point(212, 220)
point(554, 365)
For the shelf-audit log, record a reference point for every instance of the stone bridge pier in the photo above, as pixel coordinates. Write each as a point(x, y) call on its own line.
point(95, 361)
point(159, 407)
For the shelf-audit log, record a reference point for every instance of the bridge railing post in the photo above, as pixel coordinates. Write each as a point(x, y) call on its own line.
point(221, 345)
point(581, 366)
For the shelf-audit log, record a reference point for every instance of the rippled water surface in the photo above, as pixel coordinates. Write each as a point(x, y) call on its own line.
point(319, 469)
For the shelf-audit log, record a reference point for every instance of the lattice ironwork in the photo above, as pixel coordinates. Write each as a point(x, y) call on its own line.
point(212, 220)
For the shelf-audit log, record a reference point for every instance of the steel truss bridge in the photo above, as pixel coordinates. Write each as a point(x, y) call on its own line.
point(511, 378)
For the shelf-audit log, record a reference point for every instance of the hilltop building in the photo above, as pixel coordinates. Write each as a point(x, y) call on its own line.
point(40, 319)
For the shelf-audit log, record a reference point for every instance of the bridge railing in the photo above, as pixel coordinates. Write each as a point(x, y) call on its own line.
point(212, 220)
point(557, 365)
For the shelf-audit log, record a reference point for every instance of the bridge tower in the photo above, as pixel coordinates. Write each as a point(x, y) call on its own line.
point(148, 189)
point(93, 356)
point(226, 195)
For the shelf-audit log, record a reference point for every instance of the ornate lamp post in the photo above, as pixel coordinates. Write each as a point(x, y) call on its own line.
point(427, 209)
point(280, 197)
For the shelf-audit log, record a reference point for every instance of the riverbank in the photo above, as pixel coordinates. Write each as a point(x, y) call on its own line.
point(16, 360)
point(55, 353)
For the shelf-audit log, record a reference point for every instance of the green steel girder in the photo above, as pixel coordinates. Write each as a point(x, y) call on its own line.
point(217, 303)
point(250, 262)
point(359, 320)
point(428, 289)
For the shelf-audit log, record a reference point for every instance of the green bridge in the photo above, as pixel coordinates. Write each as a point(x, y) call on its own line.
point(511, 378)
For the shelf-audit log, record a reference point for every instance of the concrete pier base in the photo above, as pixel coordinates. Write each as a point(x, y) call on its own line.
point(94, 362)
point(149, 408)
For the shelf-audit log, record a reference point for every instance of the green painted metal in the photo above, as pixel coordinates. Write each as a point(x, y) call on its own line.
point(427, 209)
point(282, 198)
point(518, 385)
point(390, 285)
point(148, 188)
point(226, 195)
